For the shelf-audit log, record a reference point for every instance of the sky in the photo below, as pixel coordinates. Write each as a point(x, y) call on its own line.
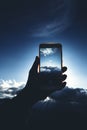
point(26, 24)
point(50, 58)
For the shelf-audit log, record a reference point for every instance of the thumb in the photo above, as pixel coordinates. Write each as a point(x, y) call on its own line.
point(35, 66)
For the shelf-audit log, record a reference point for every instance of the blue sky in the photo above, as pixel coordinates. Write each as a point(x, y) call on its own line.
point(24, 26)
point(50, 57)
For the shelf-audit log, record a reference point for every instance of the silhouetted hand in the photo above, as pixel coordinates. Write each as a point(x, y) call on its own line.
point(41, 83)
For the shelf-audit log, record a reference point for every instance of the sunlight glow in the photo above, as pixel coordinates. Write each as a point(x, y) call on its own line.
point(74, 80)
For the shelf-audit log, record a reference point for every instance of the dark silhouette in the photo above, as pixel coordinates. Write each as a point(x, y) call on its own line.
point(13, 111)
point(66, 110)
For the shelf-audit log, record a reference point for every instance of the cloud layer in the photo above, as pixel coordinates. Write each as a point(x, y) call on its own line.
point(67, 96)
point(9, 88)
point(64, 109)
point(50, 69)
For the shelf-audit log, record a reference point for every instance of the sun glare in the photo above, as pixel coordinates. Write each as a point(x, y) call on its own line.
point(75, 80)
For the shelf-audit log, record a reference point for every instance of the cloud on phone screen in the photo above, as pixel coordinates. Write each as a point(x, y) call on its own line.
point(47, 51)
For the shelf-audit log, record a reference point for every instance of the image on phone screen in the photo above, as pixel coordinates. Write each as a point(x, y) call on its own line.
point(50, 59)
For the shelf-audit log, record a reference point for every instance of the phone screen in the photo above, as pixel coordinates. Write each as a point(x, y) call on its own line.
point(50, 58)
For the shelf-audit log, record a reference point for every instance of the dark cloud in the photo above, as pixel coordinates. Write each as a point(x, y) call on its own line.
point(67, 96)
point(64, 109)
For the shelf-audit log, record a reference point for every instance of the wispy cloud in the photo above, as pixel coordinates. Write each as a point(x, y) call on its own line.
point(50, 29)
point(60, 22)
point(60, 16)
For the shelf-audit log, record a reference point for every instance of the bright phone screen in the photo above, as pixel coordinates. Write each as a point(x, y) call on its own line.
point(50, 59)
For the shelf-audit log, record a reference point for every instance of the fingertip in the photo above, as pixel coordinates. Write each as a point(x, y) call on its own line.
point(35, 65)
point(37, 58)
point(64, 77)
point(64, 84)
point(64, 69)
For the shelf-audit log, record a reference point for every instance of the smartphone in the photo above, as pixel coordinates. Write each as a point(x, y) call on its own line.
point(50, 58)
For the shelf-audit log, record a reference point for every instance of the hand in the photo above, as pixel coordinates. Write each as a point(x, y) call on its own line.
point(39, 82)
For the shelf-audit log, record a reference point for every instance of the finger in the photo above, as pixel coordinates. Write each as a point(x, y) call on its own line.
point(35, 65)
point(64, 69)
point(59, 87)
point(64, 84)
point(63, 77)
